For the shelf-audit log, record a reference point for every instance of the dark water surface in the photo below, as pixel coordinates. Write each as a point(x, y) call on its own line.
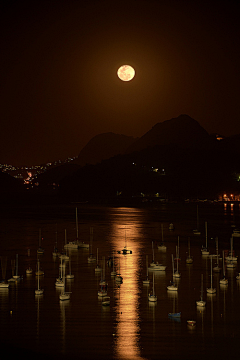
point(131, 328)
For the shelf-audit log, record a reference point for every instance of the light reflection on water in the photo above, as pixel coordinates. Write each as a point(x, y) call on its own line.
point(127, 299)
point(131, 328)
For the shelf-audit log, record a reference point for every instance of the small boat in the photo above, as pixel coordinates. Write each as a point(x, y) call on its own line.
point(204, 250)
point(171, 227)
point(106, 301)
point(4, 285)
point(152, 297)
point(64, 295)
point(118, 277)
point(231, 257)
point(172, 286)
point(98, 268)
point(176, 273)
point(175, 315)
point(211, 290)
point(38, 291)
point(200, 302)
point(40, 250)
point(191, 323)
point(38, 271)
point(29, 271)
point(59, 281)
point(236, 233)
point(196, 231)
point(125, 250)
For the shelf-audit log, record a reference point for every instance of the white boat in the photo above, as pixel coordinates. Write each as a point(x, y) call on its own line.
point(231, 258)
point(176, 273)
point(40, 250)
point(38, 271)
point(189, 259)
point(29, 271)
point(236, 233)
point(38, 291)
point(98, 268)
point(152, 297)
point(200, 302)
point(211, 290)
point(171, 227)
point(4, 285)
point(118, 277)
point(106, 301)
point(196, 231)
point(59, 281)
point(172, 286)
point(64, 295)
point(162, 247)
point(223, 281)
point(16, 276)
point(155, 265)
point(146, 281)
point(204, 250)
point(217, 268)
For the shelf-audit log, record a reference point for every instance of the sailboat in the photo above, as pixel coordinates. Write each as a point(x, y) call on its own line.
point(125, 251)
point(231, 256)
point(172, 286)
point(103, 284)
point(189, 259)
point(39, 272)
point(152, 297)
point(174, 315)
point(59, 281)
point(204, 250)
point(69, 275)
point(38, 291)
point(98, 267)
point(200, 302)
point(196, 231)
point(176, 273)
point(64, 295)
point(217, 268)
point(146, 281)
point(118, 277)
point(223, 281)
point(155, 265)
point(211, 290)
point(162, 246)
point(40, 250)
point(16, 276)
point(3, 283)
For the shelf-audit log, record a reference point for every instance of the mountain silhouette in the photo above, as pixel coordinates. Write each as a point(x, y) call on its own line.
point(182, 131)
point(104, 146)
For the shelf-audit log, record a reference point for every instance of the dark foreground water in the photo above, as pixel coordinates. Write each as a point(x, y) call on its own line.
point(131, 328)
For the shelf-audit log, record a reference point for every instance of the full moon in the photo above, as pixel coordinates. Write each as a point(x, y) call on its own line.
point(126, 73)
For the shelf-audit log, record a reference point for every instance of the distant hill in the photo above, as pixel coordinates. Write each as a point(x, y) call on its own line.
point(182, 131)
point(104, 146)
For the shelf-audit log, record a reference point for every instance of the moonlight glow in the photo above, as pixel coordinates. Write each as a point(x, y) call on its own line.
point(126, 73)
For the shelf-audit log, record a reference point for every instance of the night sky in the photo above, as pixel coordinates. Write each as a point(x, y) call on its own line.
point(59, 61)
